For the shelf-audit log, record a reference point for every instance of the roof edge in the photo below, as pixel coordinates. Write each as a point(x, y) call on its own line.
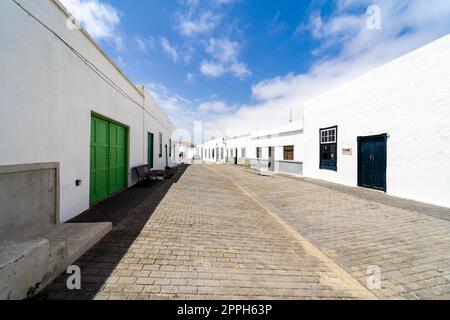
point(97, 46)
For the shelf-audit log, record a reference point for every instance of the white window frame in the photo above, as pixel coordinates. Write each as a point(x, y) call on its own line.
point(326, 134)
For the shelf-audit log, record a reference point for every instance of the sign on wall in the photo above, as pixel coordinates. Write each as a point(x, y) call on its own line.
point(347, 151)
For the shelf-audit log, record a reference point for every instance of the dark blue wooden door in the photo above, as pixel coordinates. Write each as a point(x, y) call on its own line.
point(372, 158)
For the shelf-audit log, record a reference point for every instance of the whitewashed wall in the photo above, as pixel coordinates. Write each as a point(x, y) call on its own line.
point(238, 143)
point(212, 145)
point(287, 135)
point(156, 121)
point(278, 137)
point(188, 152)
point(409, 99)
point(48, 94)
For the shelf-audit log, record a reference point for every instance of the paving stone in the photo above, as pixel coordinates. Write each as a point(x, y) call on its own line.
point(223, 232)
point(127, 280)
point(359, 228)
point(145, 281)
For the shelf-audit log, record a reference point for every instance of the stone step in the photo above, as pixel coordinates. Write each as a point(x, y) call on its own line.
point(27, 266)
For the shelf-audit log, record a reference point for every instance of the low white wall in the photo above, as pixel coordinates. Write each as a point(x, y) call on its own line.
point(409, 99)
point(48, 94)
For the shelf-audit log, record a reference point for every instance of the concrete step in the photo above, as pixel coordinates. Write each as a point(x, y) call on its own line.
point(77, 237)
point(27, 266)
point(22, 266)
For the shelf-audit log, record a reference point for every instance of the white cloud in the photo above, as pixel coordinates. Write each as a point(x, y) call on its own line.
point(195, 3)
point(214, 107)
point(240, 70)
point(184, 111)
point(224, 53)
point(405, 26)
point(205, 23)
point(179, 109)
point(223, 1)
point(98, 18)
point(190, 77)
point(277, 25)
point(145, 45)
point(169, 49)
point(211, 69)
point(188, 54)
point(223, 50)
point(192, 3)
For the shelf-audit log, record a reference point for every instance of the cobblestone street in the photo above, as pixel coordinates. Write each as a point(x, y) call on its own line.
point(224, 232)
point(357, 228)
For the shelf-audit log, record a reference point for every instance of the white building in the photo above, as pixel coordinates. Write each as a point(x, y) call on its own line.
point(279, 149)
point(64, 101)
point(213, 151)
point(388, 130)
point(236, 150)
point(185, 153)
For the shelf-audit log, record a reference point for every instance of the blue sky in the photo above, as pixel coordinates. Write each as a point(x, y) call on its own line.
point(239, 65)
point(263, 32)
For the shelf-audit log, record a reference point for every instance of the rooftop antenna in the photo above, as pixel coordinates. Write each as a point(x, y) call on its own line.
point(290, 119)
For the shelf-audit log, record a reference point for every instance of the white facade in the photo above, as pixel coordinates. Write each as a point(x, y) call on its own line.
point(212, 151)
point(405, 104)
point(242, 150)
point(48, 94)
point(237, 150)
point(186, 152)
point(272, 143)
point(409, 100)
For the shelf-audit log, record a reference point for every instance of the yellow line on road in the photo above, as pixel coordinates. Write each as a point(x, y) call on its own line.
point(351, 283)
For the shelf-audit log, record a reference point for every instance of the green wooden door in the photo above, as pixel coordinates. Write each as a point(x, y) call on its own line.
point(99, 185)
point(151, 142)
point(108, 173)
point(117, 158)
